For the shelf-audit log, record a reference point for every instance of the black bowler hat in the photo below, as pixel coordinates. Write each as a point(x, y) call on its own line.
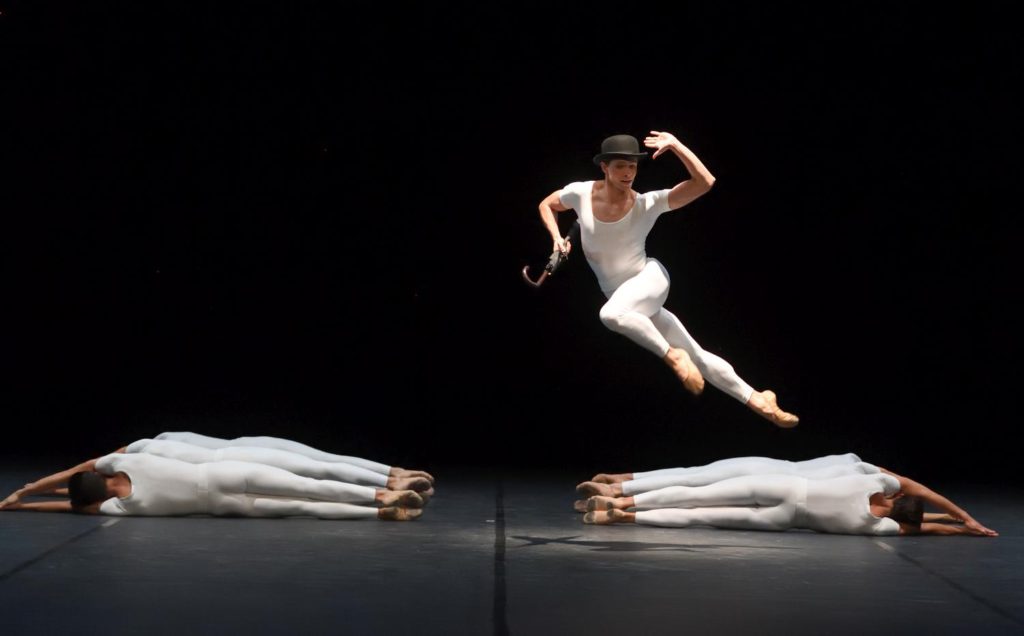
point(619, 147)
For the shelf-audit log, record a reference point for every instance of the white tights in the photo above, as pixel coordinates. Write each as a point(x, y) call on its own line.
point(635, 310)
point(276, 443)
point(293, 463)
point(254, 490)
point(817, 468)
point(764, 502)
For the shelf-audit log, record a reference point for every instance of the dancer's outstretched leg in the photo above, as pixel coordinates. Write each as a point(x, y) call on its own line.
point(757, 490)
point(263, 441)
point(628, 312)
point(720, 373)
point(244, 478)
point(305, 466)
point(272, 507)
point(774, 518)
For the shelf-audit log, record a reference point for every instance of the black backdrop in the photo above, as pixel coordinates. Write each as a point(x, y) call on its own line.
point(307, 222)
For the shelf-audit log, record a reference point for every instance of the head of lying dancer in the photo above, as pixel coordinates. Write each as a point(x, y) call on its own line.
point(87, 489)
point(907, 510)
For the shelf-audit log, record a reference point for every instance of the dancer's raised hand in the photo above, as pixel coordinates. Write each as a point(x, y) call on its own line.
point(661, 141)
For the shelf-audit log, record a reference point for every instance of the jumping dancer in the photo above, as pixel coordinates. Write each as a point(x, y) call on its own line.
point(615, 221)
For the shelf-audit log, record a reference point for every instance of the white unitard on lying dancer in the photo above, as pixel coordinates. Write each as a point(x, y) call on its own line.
point(168, 487)
point(287, 460)
point(637, 286)
point(773, 502)
point(817, 468)
point(274, 442)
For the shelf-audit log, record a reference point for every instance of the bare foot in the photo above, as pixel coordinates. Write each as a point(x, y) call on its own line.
point(580, 505)
point(612, 478)
point(765, 404)
point(685, 370)
point(399, 514)
point(598, 502)
point(419, 484)
point(591, 488)
point(404, 498)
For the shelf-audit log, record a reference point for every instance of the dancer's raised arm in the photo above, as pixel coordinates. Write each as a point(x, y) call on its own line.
point(700, 180)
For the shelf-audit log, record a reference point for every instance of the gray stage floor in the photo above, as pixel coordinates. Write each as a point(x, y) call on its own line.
point(500, 557)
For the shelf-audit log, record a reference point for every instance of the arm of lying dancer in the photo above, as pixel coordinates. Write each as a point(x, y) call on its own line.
point(946, 529)
point(955, 513)
point(940, 517)
point(54, 506)
point(55, 483)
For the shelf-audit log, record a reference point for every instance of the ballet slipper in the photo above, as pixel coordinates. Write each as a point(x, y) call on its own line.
point(598, 502)
point(774, 414)
point(686, 370)
point(392, 513)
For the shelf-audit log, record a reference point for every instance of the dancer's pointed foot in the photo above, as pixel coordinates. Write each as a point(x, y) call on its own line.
point(399, 514)
point(580, 505)
point(403, 498)
point(419, 484)
point(598, 502)
point(591, 488)
point(685, 370)
point(765, 404)
point(612, 478)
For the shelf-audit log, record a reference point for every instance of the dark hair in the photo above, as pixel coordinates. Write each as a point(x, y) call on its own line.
point(908, 509)
point(86, 487)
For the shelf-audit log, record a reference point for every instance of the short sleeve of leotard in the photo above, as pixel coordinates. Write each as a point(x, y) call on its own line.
point(657, 201)
point(108, 463)
point(137, 446)
point(887, 526)
point(890, 484)
point(570, 194)
point(866, 468)
point(112, 507)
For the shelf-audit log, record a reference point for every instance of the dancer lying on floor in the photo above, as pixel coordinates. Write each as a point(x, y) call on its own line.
point(882, 503)
point(297, 448)
point(626, 484)
point(170, 486)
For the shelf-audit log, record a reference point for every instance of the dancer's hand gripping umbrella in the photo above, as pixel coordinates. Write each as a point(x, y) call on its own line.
point(555, 261)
